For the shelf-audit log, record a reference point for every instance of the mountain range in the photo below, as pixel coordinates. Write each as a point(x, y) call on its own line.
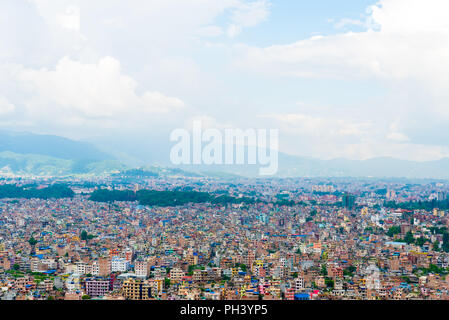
point(48, 155)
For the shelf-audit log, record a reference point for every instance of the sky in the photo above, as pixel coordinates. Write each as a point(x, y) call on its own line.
point(353, 79)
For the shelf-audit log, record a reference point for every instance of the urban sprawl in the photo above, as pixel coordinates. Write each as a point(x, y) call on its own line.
point(144, 237)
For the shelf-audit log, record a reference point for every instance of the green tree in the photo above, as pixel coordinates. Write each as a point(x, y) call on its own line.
point(32, 241)
point(85, 297)
point(241, 266)
point(421, 241)
point(436, 246)
point(446, 242)
point(393, 231)
point(349, 271)
point(323, 270)
point(329, 283)
point(83, 235)
point(409, 239)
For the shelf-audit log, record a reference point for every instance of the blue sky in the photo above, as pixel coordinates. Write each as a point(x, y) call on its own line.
point(290, 21)
point(338, 78)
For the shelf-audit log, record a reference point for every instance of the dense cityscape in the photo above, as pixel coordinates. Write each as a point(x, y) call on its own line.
point(219, 159)
point(236, 239)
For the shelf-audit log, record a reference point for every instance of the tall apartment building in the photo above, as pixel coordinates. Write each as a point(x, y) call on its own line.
point(104, 267)
point(299, 284)
point(119, 264)
point(137, 289)
point(128, 254)
point(348, 201)
point(97, 287)
point(95, 267)
point(80, 267)
point(141, 268)
point(176, 274)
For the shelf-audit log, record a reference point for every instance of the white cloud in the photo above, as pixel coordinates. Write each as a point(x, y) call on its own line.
point(411, 42)
point(210, 31)
point(172, 19)
point(329, 136)
point(155, 42)
point(329, 128)
point(6, 107)
point(395, 135)
point(247, 14)
point(250, 14)
point(405, 48)
point(70, 18)
point(234, 30)
point(78, 93)
point(349, 22)
point(159, 54)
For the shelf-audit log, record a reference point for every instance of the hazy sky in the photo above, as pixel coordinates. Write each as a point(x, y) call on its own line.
point(339, 78)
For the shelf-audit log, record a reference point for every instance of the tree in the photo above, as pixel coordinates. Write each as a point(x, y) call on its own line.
point(393, 231)
point(446, 242)
point(323, 270)
point(85, 297)
point(409, 239)
point(369, 230)
point(83, 235)
point(241, 266)
point(329, 283)
point(421, 241)
point(349, 271)
point(16, 266)
point(436, 246)
point(32, 241)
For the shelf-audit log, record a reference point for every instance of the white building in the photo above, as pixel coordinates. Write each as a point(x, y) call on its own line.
point(80, 267)
point(141, 268)
point(299, 284)
point(119, 265)
point(95, 268)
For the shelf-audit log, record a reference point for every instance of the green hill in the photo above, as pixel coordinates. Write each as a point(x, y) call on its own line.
point(41, 165)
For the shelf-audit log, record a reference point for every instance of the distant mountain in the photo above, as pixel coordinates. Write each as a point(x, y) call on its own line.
point(376, 167)
point(31, 154)
point(52, 146)
point(31, 164)
point(46, 155)
point(293, 166)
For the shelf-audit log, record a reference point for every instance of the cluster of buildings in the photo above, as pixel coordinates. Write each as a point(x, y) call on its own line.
point(336, 240)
